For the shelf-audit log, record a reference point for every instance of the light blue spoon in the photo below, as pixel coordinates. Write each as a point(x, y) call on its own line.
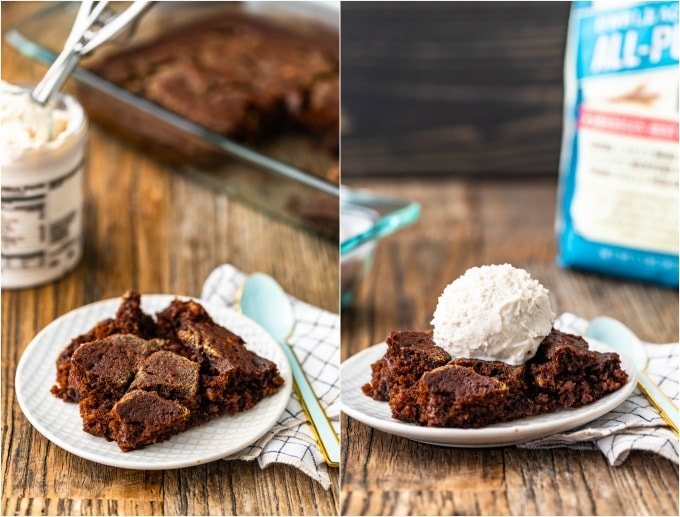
point(265, 302)
point(619, 337)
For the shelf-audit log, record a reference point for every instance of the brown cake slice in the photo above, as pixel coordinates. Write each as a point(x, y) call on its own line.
point(475, 393)
point(108, 365)
point(567, 371)
point(409, 355)
point(101, 372)
point(130, 319)
point(171, 376)
point(144, 417)
point(121, 377)
point(233, 378)
point(465, 393)
point(236, 75)
point(458, 396)
point(139, 391)
point(134, 393)
point(522, 400)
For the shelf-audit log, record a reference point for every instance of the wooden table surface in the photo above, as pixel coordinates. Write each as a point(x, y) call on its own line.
point(475, 87)
point(464, 224)
point(150, 228)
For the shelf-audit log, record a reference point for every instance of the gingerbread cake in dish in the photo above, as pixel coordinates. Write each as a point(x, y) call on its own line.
point(144, 417)
point(241, 76)
point(456, 396)
point(409, 355)
point(129, 319)
point(139, 381)
point(233, 378)
point(493, 356)
point(566, 370)
point(466, 392)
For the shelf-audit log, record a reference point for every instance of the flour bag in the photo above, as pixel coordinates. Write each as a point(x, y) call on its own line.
point(618, 198)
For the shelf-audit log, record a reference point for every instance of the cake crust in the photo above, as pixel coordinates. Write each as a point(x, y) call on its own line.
point(464, 392)
point(566, 370)
point(233, 378)
point(139, 381)
point(409, 355)
point(237, 75)
point(130, 319)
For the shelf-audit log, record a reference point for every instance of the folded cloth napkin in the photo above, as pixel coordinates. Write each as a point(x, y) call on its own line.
point(316, 341)
point(635, 424)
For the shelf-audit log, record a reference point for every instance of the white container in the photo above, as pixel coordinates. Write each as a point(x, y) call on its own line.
point(42, 203)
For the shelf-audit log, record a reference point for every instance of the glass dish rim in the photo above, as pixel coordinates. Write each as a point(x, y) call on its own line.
point(404, 213)
point(35, 51)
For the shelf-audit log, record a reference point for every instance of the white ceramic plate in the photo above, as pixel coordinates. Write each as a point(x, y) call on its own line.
point(356, 371)
point(60, 421)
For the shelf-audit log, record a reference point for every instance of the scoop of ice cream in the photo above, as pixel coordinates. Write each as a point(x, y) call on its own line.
point(494, 313)
point(24, 124)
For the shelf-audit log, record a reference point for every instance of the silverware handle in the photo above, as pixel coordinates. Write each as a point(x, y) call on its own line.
point(116, 24)
point(665, 406)
point(55, 76)
point(87, 33)
point(323, 430)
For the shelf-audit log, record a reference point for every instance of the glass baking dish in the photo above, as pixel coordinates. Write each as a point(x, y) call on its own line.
point(282, 176)
point(366, 218)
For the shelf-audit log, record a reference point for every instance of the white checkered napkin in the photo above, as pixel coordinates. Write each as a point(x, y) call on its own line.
point(316, 341)
point(635, 424)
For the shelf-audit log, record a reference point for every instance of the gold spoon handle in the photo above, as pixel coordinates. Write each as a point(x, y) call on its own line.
point(665, 406)
point(325, 434)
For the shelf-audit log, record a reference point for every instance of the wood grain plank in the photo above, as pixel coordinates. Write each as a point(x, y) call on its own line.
point(403, 502)
point(56, 506)
point(474, 89)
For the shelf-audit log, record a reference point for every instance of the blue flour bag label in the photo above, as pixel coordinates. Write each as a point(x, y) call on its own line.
point(618, 197)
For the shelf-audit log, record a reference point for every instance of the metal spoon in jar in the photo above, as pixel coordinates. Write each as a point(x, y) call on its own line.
point(94, 24)
point(264, 301)
point(619, 337)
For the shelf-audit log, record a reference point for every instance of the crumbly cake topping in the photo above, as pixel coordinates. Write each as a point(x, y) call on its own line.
point(466, 392)
point(139, 380)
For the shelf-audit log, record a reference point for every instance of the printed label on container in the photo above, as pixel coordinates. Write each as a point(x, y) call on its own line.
point(626, 189)
point(42, 223)
point(626, 194)
point(631, 38)
point(619, 198)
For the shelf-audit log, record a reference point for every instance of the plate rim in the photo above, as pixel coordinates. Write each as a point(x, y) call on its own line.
point(488, 436)
point(283, 365)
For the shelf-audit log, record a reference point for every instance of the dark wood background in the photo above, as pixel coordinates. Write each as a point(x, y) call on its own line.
point(452, 88)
